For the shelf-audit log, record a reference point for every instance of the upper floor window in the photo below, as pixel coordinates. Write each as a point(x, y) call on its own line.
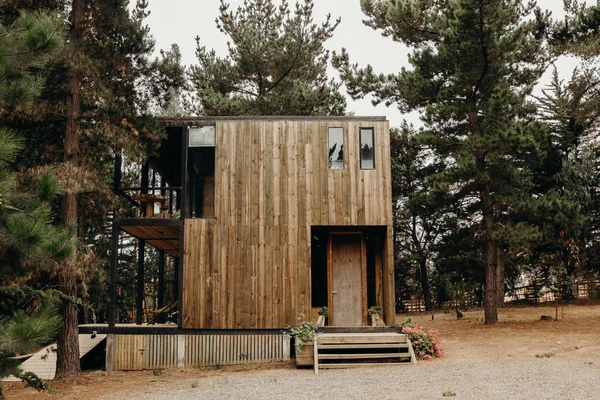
point(202, 136)
point(336, 148)
point(367, 149)
point(200, 185)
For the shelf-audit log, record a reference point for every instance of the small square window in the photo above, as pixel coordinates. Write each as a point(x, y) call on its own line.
point(202, 136)
point(336, 148)
point(367, 148)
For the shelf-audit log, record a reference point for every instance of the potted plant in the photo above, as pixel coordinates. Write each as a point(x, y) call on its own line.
point(375, 315)
point(303, 334)
point(323, 315)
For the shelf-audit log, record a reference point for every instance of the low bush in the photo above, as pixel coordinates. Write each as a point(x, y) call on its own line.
point(426, 344)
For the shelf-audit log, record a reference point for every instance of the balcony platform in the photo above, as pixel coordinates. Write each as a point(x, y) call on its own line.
point(160, 233)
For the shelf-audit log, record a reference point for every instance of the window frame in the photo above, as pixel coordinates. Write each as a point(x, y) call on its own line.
point(360, 143)
point(337, 162)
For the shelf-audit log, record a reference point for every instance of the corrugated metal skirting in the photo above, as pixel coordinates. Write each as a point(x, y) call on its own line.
point(137, 352)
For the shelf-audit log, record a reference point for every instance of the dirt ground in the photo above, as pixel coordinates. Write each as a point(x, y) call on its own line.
point(520, 333)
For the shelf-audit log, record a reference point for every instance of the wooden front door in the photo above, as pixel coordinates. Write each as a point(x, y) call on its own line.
point(347, 279)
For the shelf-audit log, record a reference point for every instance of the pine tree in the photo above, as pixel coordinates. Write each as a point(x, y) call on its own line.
point(421, 212)
point(569, 173)
point(27, 236)
point(107, 65)
point(474, 63)
point(276, 63)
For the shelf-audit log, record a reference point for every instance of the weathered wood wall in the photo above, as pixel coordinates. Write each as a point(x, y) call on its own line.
point(249, 267)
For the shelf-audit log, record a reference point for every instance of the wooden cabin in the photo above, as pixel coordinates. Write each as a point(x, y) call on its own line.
point(267, 219)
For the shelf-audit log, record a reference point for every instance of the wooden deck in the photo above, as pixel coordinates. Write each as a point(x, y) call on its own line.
point(160, 233)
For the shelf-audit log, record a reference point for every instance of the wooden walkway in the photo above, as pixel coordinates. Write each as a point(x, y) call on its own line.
point(43, 363)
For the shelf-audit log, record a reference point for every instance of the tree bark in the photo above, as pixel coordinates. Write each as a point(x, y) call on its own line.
point(67, 364)
point(425, 284)
point(500, 276)
point(490, 297)
point(67, 361)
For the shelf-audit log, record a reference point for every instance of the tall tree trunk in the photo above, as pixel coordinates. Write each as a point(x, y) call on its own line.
point(500, 276)
point(425, 283)
point(67, 363)
point(489, 300)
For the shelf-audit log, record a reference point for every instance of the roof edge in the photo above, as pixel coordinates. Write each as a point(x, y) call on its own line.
point(181, 121)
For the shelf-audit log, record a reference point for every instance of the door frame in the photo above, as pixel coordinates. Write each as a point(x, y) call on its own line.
point(363, 269)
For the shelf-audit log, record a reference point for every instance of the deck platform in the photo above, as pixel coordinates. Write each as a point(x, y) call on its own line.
point(160, 233)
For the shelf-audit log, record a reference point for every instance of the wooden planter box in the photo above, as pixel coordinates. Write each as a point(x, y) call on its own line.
point(306, 356)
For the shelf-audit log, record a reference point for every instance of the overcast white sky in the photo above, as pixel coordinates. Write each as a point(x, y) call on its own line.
point(180, 21)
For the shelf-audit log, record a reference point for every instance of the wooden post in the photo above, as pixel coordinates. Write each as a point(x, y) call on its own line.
point(114, 258)
point(179, 279)
point(316, 355)
point(180, 351)
point(139, 301)
point(161, 256)
point(111, 347)
point(287, 347)
point(114, 261)
point(184, 174)
point(117, 171)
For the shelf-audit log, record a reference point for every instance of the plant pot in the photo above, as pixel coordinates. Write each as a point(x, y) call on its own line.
point(306, 356)
point(321, 321)
point(376, 320)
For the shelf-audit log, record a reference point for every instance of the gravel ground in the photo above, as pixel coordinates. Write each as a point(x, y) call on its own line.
point(574, 375)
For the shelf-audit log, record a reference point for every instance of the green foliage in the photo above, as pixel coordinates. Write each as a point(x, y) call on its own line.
point(26, 229)
point(24, 333)
point(374, 310)
point(123, 87)
point(26, 45)
point(276, 63)
point(35, 381)
point(302, 333)
point(473, 66)
point(10, 144)
point(324, 311)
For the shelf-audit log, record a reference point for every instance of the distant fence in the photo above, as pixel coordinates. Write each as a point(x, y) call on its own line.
point(532, 293)
point(541, 294)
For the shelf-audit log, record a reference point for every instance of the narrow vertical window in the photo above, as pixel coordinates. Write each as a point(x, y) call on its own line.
point(201, 172)
point(367, 150)
point(336, 148)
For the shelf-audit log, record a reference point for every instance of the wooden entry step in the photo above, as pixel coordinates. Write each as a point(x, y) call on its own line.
point(345, 350)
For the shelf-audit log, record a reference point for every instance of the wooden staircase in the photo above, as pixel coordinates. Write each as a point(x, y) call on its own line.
point(345, 350)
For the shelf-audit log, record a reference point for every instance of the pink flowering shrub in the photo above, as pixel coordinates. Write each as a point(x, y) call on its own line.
point(426, 344)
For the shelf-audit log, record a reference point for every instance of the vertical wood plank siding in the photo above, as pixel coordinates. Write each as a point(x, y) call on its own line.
point(249, 267)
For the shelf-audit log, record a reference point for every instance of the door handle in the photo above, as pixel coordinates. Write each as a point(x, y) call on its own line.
point(334, 292)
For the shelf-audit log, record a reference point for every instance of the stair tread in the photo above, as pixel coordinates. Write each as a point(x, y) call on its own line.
point(329, 346)
point(354, 365)
point(362, 356)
